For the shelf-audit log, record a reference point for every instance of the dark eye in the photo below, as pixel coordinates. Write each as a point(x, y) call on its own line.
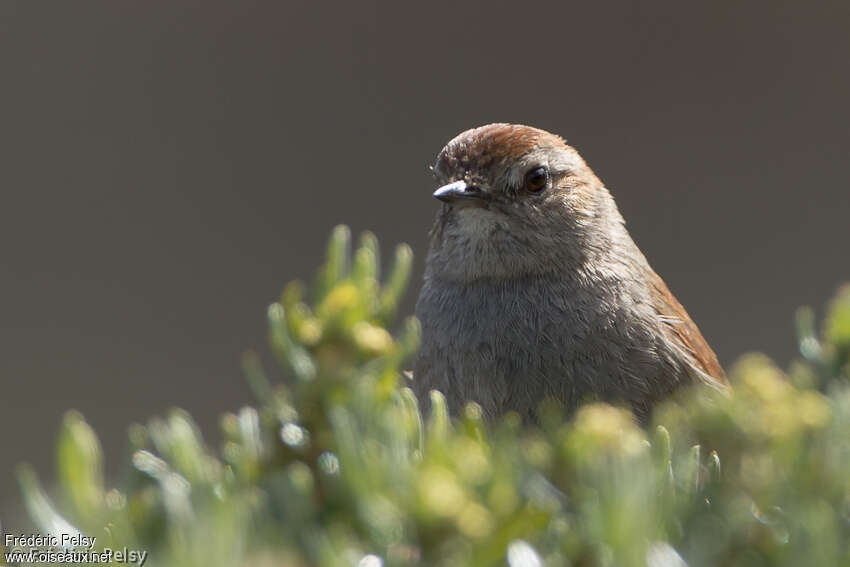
point(536, 179)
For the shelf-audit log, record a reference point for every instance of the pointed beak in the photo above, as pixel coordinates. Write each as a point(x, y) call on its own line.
point(459, 191)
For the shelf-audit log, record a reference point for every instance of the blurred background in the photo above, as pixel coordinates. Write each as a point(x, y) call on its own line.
point(165, 168)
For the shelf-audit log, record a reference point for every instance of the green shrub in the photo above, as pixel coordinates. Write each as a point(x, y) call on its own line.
point(338, 466)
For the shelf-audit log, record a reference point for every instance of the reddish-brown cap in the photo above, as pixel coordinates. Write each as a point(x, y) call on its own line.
point(487, 145)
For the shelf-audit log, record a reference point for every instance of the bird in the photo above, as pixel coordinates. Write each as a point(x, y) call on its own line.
point(534, 290)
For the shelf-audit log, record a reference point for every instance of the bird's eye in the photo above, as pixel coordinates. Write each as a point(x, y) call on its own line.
point(536, 179)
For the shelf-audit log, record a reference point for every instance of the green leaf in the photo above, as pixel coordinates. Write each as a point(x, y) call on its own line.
point(289, 353)
point(336, 264)
point(837, 324)
point(80, 466)
point(439, 424)
point(412, 419)
point(393, 290)
point(366, 259)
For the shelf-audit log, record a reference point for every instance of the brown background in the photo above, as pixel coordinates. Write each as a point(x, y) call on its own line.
point(166, 167)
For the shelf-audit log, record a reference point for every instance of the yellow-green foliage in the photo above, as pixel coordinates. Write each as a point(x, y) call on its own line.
point(338, 467)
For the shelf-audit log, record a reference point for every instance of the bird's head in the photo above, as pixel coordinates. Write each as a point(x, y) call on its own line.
point(517, 202)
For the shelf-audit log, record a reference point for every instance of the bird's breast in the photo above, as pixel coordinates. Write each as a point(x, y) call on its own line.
point(508, 345)
point(501, 344)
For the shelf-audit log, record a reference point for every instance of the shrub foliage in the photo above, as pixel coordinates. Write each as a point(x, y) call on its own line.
point(336, 465)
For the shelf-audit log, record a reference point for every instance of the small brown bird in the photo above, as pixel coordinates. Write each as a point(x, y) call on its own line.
point(534, 289)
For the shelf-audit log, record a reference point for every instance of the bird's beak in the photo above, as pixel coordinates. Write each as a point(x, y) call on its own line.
point(460, 191)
